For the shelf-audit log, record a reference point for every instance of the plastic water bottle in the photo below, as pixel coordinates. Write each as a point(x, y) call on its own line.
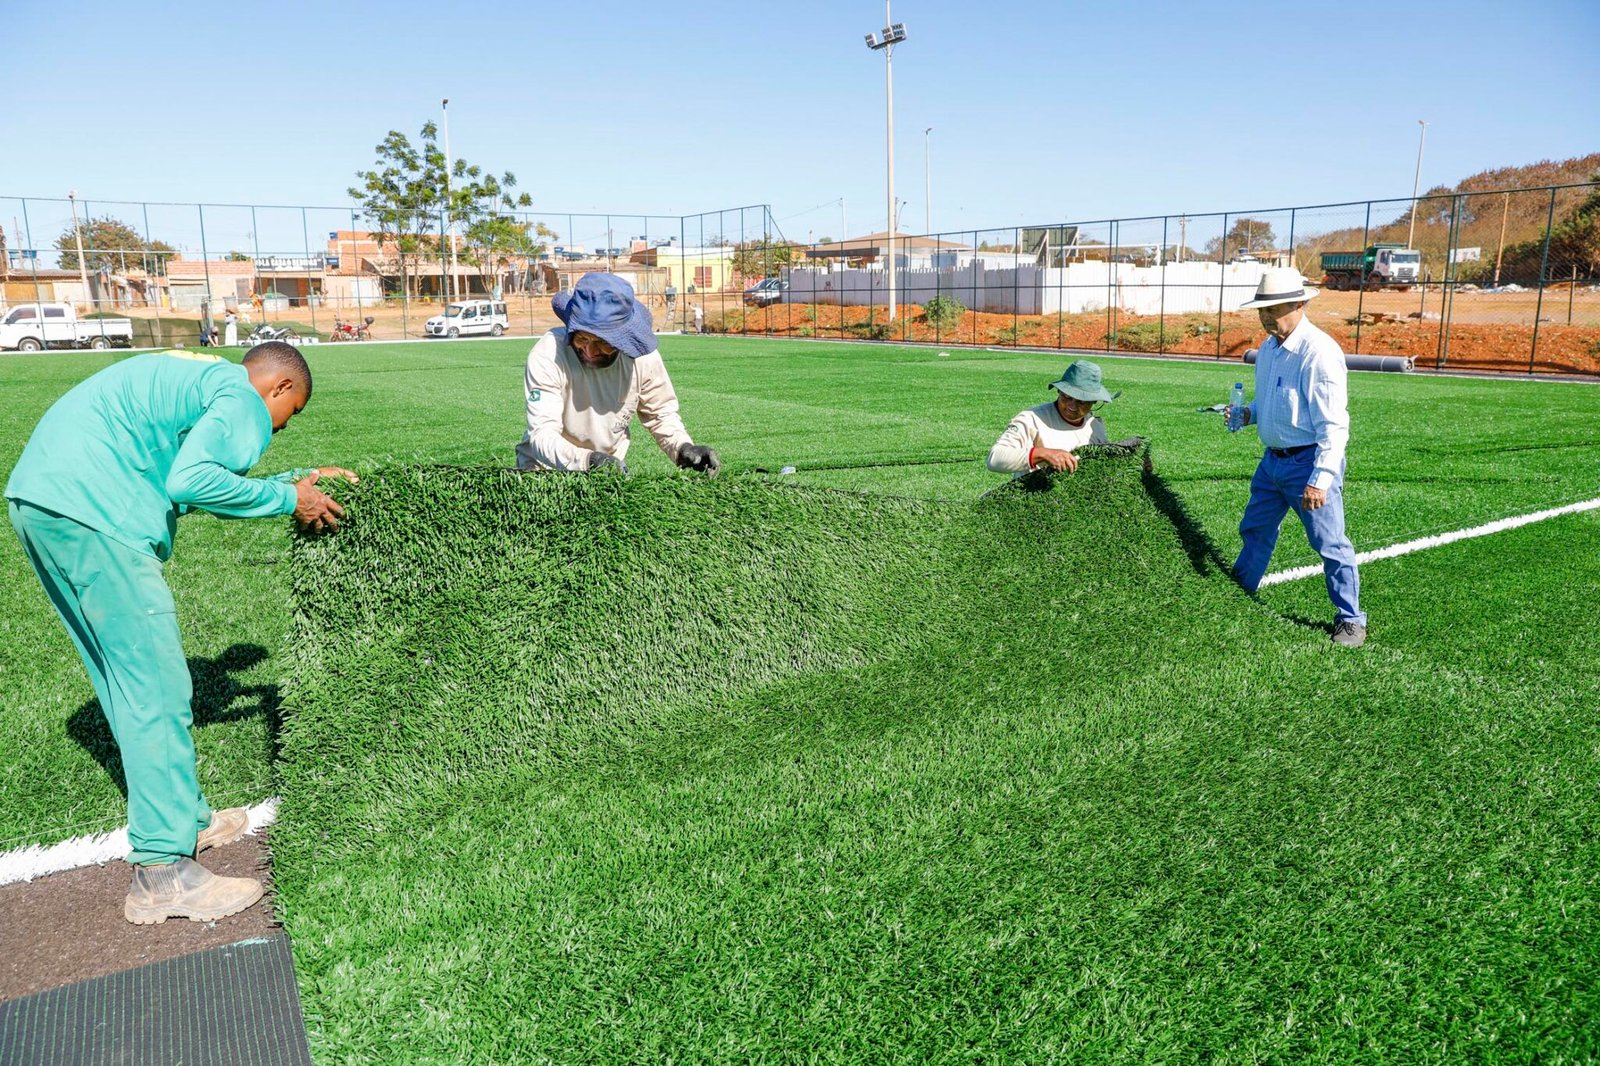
point(1236, 408)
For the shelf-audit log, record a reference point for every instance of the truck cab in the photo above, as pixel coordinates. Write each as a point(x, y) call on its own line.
point(1396, 264)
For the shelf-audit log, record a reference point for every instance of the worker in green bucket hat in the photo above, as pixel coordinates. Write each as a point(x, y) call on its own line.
point(95, 500)
point(1049, 434)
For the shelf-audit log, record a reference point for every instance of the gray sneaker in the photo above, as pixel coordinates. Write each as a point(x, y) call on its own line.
point(1349, 634)
point(185, 889)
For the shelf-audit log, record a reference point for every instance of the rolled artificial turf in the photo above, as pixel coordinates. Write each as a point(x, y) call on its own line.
point(592, 769)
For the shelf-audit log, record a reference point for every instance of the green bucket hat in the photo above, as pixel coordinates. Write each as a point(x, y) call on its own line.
point(1081, 381)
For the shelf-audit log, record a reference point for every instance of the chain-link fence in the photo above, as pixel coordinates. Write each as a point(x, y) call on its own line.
point(1506, 281)
point(1492, 281)
point(113, 273)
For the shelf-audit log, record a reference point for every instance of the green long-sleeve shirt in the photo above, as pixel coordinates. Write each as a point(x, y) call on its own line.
point(147, 439)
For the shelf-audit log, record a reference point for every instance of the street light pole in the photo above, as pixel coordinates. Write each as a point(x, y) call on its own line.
point(927, 184)
point(893, 33)
point(1416, 182)
point(444, 105)
point(77, 235)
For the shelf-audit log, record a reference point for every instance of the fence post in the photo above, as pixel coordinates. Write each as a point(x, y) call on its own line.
point(1016, 282)
point(1161, 253)
point(151, 263)
point(1447, 298)
point(305, 239)
point(1111, 294)
point(1222, 280)
point(1544, 262)
point(1361, 277)
point(205, 264)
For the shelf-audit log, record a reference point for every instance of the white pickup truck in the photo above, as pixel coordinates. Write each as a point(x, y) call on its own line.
point(34, 327)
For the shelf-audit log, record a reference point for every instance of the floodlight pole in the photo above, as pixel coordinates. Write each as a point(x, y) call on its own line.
point(450, 216)
point(888, 82)
point(77, 235)
point(886, 42)
point(1416, 182)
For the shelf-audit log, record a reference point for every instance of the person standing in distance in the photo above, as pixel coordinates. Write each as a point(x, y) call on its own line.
point(581, 397)
point(95, 500)
point(1301, 414)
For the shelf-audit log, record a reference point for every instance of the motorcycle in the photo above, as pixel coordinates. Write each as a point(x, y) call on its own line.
point(350, 331)
point(267, 332)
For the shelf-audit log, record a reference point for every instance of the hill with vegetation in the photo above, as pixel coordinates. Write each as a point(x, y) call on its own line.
point(1505, 208)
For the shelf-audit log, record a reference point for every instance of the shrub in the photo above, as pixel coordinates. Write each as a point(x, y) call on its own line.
point(943, 313)
point(1139, 337)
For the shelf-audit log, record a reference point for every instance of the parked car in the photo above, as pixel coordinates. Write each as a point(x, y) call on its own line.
point(766, 291)
point(467, 318)
point(34, 327)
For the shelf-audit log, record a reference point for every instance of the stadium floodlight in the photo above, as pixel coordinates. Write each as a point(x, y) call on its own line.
point(892, 34)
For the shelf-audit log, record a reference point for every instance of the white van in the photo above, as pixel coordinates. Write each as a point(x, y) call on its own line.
point(467, 318)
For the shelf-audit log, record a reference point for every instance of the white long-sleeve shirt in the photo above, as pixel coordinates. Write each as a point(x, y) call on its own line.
point(1041, 427)
point(574, 409)
point(1302, 397)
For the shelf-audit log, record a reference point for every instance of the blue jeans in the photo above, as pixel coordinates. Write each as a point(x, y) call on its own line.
point(1277, 486)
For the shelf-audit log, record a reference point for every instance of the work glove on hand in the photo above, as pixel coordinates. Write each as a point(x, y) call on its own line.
point(699, 457)
point(601, 461)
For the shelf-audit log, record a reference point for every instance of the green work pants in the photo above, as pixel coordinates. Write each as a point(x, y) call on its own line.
point(120, 614)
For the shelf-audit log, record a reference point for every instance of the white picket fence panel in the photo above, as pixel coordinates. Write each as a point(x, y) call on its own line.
point(1177, 288)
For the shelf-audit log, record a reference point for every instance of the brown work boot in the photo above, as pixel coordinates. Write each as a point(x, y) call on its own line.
point(185, 889)
point(226, 827)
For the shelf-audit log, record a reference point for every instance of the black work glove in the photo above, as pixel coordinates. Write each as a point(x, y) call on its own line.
point(1130, 443)
point(699, 457)
point(601, 461)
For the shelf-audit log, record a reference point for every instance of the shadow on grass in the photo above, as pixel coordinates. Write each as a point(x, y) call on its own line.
point(217, 698)
point(1202, 551)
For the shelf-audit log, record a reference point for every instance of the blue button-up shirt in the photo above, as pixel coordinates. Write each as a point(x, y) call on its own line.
point(1302, 398)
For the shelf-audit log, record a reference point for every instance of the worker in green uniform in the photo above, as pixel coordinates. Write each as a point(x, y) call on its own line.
point(95, 499)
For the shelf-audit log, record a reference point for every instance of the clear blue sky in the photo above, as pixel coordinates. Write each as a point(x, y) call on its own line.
point(1041, 110)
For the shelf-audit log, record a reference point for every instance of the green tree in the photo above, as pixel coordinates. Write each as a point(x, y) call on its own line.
point(113, 244)
point(236, 257)
point(1246, 235)
point(758, 259)
point(482, 206)
point(403, 195)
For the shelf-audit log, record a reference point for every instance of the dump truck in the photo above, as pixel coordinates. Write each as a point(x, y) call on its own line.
point(1379, 266)
point(35, 327)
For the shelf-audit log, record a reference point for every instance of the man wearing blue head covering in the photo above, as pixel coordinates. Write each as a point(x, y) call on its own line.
point(581, 397)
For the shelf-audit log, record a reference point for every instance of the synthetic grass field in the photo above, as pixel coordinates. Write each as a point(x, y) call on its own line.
point(595, 770)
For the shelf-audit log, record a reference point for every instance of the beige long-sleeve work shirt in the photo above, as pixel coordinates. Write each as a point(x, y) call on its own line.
point(575, 410)
point(1041, 427)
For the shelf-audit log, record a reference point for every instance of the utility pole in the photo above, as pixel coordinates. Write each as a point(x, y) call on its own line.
point(1505, 208)
point(77, 236)
point(1183, 235)
point(927, 181)
point(1416, 182)
point(444, 105)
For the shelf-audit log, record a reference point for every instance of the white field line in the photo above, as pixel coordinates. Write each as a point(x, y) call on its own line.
point(1410, 546)
point(36, 860)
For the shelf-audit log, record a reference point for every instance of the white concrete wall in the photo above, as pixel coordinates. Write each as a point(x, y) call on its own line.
point(1177, 288)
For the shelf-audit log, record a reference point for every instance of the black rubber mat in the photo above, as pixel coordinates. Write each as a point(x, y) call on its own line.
point(230, 1006)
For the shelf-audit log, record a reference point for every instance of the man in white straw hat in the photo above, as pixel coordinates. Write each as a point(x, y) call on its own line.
point(1300, 414)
